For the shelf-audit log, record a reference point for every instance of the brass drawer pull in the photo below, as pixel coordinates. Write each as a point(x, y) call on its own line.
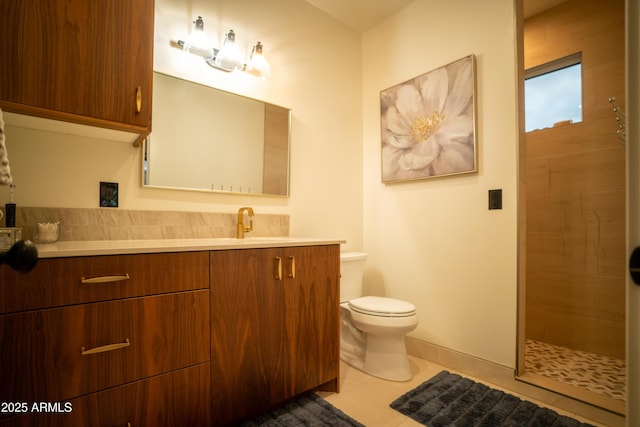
point(292, 266)
point(277, 266)
point(138, 99)
point(105, 279)
point(109, 347)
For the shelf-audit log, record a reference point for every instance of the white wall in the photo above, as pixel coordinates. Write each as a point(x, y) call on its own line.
point(434, 242)
point(316, 66)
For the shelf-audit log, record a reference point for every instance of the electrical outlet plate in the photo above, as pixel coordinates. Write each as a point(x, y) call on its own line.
point(108, 194)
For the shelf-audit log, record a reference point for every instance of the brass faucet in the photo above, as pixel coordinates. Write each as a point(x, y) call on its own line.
point(241, 228)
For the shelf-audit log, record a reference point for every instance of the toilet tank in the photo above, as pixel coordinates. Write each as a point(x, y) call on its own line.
point(351, 272)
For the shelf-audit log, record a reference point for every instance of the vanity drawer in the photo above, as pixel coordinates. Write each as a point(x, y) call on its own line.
point(42, 351)
point(180, 398)
point(56, 282)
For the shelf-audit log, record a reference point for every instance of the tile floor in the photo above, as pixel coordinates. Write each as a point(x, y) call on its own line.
point(367, 398)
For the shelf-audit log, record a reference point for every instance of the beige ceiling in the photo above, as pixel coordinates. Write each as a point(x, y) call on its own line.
point(360, 14)
point(365, 14)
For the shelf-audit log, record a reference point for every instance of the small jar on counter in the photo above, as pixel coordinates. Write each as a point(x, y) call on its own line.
point(47, 232)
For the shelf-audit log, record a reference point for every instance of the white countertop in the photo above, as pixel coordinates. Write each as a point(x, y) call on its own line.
point(117, 247)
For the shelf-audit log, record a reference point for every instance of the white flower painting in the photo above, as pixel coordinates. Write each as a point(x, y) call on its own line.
point(428, 124)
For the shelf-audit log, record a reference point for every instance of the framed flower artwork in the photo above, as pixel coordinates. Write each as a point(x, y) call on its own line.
point(428, 124)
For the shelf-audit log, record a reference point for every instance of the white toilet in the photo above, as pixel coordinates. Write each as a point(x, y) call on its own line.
point(372, 328)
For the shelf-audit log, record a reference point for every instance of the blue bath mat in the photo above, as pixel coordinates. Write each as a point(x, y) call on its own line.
point(451, 400)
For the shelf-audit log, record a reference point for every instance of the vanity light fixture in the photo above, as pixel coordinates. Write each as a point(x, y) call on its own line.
point(228, 57)
point(258, 65)
point(197, 43)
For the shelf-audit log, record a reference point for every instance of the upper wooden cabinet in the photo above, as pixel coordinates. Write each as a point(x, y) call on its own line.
point(81, 61)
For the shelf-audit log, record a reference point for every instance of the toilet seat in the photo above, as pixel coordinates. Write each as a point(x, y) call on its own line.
point(382, 307)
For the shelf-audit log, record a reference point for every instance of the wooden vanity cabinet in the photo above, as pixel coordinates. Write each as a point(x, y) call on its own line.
point(82, 61)
point(274, 327)
point(116, 351)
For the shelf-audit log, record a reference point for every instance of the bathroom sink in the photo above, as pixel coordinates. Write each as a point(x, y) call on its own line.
point(251, 241)
point(267, 239)
point(262, 241)
point(266, 242)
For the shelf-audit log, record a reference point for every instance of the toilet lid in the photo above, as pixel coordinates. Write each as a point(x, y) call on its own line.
point(379, 306)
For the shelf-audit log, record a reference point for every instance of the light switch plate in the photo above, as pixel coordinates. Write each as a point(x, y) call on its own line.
point(495, 199)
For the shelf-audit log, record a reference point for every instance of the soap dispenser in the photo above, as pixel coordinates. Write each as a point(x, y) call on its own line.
point(10, 209)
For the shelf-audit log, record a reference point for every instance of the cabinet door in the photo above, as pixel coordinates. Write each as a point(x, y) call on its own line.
point(75, 59)
point(274, 330)
point(247, 334)
point(312, 307)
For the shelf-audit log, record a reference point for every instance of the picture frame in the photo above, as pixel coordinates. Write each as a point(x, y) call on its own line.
point(428, 124)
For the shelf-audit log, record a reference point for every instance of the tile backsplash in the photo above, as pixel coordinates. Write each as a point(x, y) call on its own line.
point(118, 224)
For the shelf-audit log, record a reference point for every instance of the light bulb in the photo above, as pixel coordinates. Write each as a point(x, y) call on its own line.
point(229, 57)
point(198, 43)
point(258, 65)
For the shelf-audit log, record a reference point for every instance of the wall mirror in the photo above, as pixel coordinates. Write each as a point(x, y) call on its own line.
point(205, 139)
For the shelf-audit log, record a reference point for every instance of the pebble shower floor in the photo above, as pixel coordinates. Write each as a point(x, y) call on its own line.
point(600, 374)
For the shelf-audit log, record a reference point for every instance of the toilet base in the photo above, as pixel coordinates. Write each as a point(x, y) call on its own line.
point(383, 355)
point(386, 357)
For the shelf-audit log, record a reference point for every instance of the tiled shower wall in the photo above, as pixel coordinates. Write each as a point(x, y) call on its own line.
point(575, 188)
point(117, 224)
